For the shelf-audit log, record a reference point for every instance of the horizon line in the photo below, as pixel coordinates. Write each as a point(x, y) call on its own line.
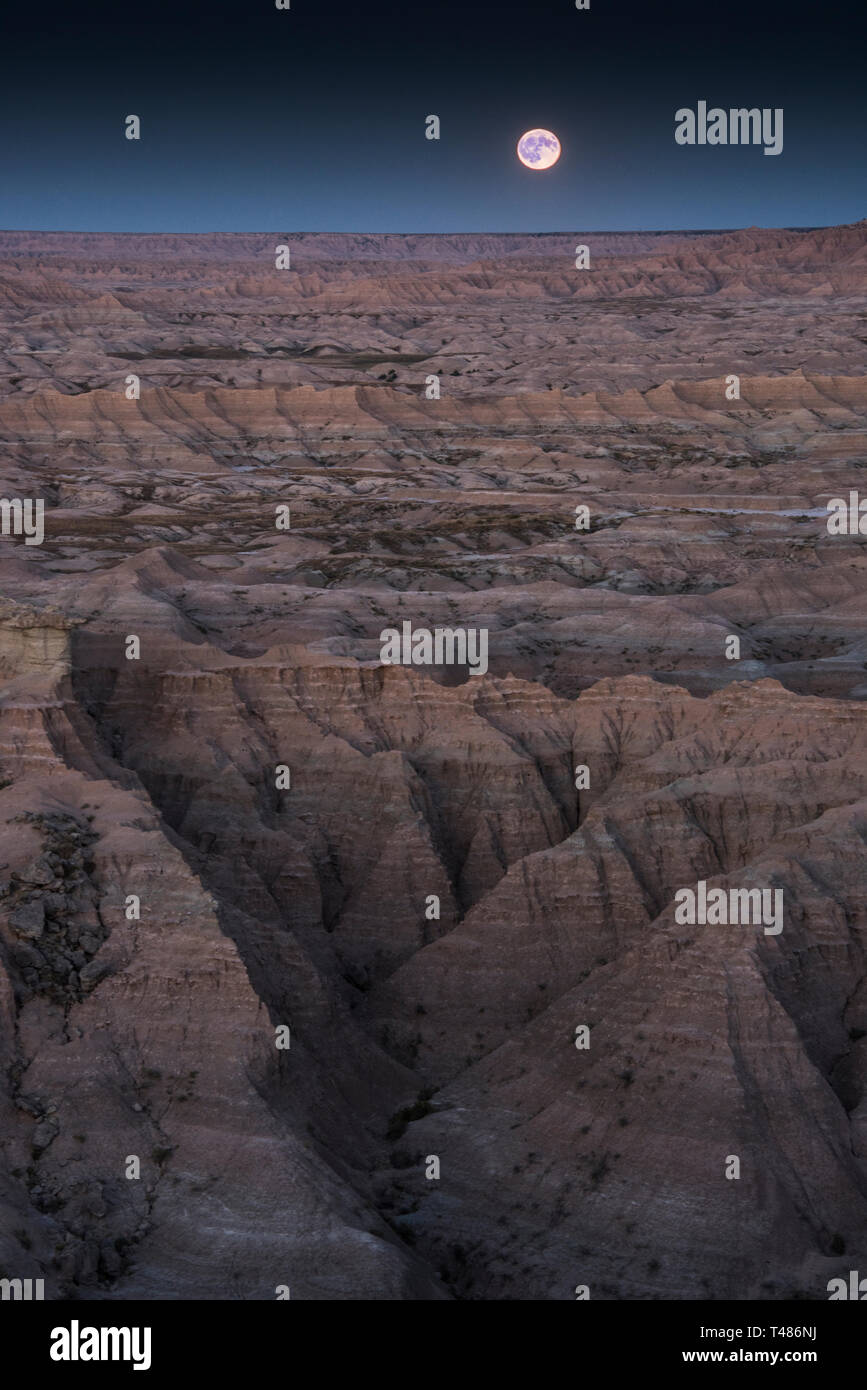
point(595, 231)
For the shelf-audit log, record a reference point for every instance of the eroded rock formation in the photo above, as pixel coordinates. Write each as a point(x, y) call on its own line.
point(166, 906)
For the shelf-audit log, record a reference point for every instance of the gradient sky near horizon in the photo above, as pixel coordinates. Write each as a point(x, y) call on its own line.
point(313, 119)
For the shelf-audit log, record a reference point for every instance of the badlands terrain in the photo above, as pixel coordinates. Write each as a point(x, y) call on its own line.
point(263, 907)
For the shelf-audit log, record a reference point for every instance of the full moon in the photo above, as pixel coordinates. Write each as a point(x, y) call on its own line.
point(539, 149)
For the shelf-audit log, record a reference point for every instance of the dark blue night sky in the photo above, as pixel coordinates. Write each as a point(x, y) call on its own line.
point(312, 119)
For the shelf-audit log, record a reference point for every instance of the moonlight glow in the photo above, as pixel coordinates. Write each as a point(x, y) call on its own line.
point(539, 149)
